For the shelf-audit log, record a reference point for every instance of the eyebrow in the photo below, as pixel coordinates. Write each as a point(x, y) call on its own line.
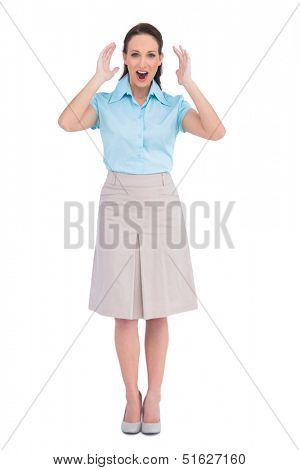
point(135, 50)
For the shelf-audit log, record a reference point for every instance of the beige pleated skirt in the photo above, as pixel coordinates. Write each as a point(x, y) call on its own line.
point(142, 266)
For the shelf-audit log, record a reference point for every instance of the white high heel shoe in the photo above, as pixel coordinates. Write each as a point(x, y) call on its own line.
point(150, 428)
point(131, 428)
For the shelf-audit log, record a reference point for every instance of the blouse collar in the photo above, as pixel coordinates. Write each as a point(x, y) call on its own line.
point(123, 87)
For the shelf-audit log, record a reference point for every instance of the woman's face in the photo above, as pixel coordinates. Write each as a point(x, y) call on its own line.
point(142, 55)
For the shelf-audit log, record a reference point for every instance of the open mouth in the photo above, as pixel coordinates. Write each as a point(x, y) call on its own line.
point(141, 75)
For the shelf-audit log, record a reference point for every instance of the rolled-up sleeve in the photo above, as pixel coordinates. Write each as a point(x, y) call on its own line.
point(95, 103)
point(183, 107)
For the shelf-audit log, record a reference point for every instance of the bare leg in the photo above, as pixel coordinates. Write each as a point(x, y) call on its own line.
point(156, 344)
point(128, 351)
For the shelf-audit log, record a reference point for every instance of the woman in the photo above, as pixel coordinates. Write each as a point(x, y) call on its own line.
point(131, 277)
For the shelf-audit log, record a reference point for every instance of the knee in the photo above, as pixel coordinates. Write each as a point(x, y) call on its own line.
point(125, 324)
point(157, 321)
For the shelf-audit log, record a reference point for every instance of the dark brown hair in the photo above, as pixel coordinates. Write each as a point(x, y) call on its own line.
point(144, 28)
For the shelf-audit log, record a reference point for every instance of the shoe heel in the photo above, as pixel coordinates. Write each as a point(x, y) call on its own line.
point(131, 428)
point(150, 428)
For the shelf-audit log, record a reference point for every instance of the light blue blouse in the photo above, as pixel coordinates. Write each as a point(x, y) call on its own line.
point(137, 138)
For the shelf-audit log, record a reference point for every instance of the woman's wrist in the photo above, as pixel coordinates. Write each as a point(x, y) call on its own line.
point(187, 83)
point(97, 80)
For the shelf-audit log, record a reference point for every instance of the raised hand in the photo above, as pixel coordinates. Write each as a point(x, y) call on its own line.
point(103, 64)
point(184, 71)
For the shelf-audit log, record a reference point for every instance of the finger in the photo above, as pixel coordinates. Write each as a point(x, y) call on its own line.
point(115, 70)
point(186, 56)
point(110, 50)
point(184, 60)
point(106, 49)
point(182, 51)
point(108, 54)
point(178, 53)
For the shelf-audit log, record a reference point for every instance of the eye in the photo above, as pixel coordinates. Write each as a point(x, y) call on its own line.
point(135, 54)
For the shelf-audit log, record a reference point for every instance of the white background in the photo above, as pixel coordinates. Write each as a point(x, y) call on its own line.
point(231, 381)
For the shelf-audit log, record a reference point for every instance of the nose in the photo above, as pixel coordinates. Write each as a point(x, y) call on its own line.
point(142, 62)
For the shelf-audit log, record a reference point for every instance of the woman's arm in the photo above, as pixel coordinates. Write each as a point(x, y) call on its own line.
point(204, 123)
point(79, 114)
